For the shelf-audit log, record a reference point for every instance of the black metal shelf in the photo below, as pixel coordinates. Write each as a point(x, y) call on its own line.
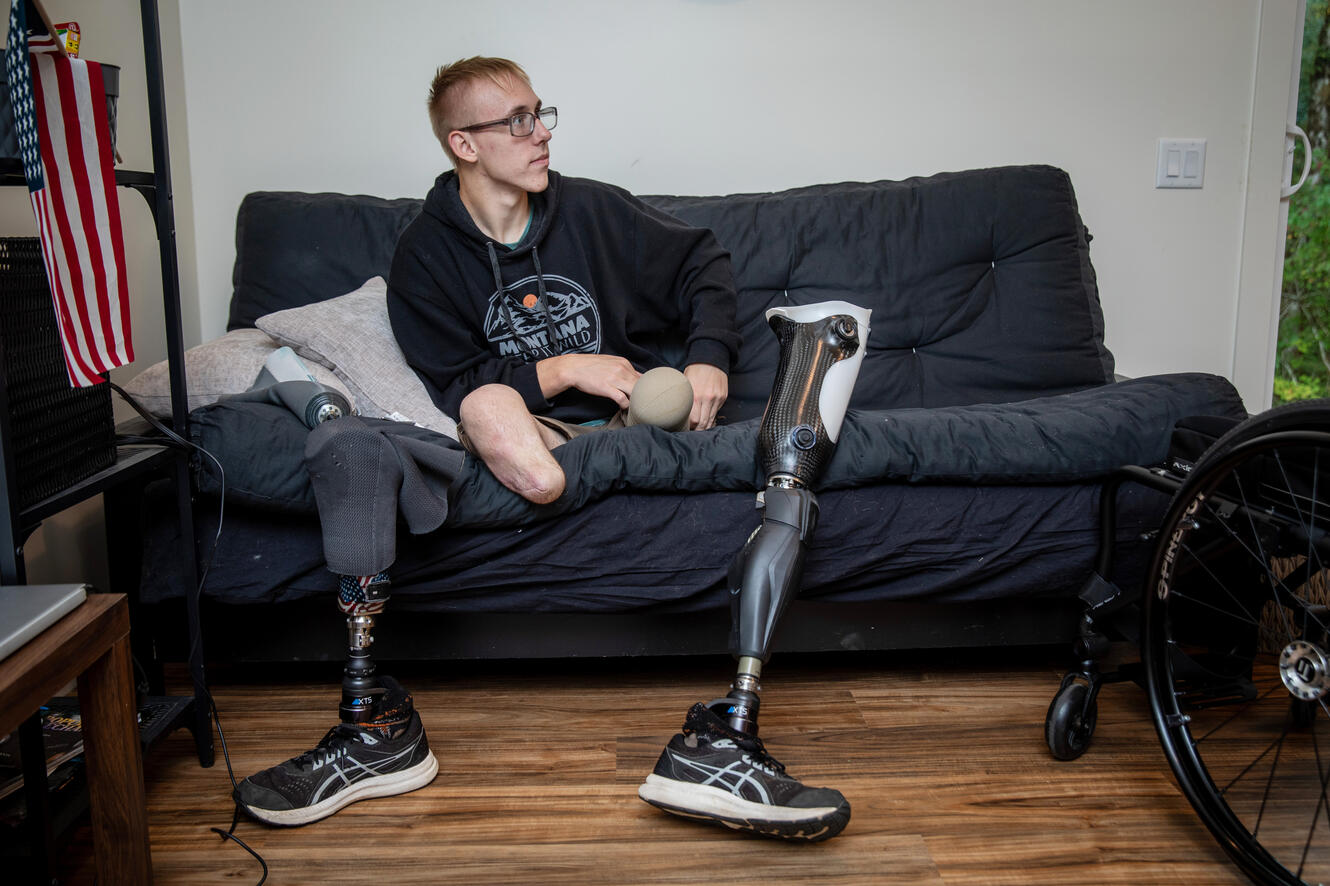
point(132, 462)
point(11, 174)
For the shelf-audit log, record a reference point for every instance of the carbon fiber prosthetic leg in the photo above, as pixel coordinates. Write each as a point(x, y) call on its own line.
point(821, 349)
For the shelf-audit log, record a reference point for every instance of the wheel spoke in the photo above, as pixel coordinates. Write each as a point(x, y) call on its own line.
point(1275, 745)
point(1269, 781)
point(1261, 557)
point(1320, 805)
point(1239, 712)
point(1246, 619)
point(1308, 524)
point(1247, 616)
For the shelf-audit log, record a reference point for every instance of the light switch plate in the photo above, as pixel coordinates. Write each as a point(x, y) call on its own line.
point(1180, 163)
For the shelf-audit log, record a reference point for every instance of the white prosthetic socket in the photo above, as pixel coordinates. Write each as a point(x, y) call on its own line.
point(821, 348)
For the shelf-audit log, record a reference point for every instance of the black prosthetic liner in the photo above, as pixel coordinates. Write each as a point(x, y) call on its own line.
point(792, 440)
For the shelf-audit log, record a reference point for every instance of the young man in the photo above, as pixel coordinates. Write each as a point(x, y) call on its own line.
point(529, 304)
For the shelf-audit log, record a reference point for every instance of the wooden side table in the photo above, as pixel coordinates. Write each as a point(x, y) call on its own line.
point(91, 643)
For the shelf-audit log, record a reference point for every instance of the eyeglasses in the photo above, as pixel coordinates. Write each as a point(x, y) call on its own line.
point(523, 124)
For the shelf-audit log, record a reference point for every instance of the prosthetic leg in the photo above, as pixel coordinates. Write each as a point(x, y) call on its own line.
point(821, 349)
point(717, 769)
point(286, 381)
point(379, 747)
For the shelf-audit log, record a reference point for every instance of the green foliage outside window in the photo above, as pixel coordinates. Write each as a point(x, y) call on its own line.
point(1302, 367)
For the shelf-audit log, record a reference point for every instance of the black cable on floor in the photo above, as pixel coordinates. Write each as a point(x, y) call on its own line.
point(229, 834)
point(196, 630)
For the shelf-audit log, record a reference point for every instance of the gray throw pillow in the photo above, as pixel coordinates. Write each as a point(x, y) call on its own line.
point(226, 365)
point(351, 335)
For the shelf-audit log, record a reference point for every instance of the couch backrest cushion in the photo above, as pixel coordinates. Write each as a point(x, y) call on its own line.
point(295, 248)
point(980, 282)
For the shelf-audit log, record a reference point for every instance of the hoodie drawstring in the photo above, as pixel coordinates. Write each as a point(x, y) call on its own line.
point(503, 300)
point(555, 343)
point(545, 304)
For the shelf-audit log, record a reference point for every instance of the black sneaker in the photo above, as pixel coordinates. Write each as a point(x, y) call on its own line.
point(713, 773)
point(385, 756)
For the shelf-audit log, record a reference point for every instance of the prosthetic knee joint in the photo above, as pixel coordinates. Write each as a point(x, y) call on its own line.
point(821, 349)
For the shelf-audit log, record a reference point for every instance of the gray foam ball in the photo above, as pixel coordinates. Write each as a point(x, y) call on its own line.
point(662, 397)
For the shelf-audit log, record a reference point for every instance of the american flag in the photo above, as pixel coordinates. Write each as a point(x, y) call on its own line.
point(59, 108)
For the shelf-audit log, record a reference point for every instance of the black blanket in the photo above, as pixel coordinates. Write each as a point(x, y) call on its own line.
point(1074, 437)
point(924, 530)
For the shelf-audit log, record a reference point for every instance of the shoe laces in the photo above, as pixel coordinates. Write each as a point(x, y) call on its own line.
point(333, 746)
point(750, 744)
point(758, 756)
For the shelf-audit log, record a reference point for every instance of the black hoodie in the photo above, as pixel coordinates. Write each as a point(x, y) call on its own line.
point(598, 272)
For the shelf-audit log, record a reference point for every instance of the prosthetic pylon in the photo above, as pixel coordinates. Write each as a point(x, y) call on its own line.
point(360, 685)
point(821, 349)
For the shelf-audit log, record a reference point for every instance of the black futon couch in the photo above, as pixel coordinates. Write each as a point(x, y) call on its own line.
point(961, 507)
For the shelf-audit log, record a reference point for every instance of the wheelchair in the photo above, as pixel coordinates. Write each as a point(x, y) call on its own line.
point(1234, 639)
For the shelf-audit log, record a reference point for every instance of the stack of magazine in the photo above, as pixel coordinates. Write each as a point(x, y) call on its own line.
point(62, 733)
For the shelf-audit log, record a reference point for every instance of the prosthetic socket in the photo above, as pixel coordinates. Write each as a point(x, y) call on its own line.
point(821, 349)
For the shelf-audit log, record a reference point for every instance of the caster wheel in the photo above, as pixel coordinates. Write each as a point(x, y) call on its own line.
point(1066, 730)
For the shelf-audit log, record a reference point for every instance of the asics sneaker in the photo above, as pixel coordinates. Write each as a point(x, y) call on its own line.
point(387, 755)
point(714, 773)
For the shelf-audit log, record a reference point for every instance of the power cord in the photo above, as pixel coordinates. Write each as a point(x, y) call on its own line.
point(229, 833)
point(195, 631)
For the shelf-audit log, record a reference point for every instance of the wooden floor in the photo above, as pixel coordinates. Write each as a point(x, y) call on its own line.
point(941, 755)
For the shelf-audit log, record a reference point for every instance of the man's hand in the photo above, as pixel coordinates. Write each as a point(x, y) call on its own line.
point(711, 385)
point(598, 374)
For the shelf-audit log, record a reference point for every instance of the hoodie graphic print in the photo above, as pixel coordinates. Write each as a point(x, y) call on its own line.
point(569, 322)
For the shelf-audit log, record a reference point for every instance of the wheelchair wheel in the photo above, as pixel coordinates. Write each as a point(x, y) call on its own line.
point(1236, 647)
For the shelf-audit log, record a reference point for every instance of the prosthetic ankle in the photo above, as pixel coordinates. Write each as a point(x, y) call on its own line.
point(821, 348)
point(361, 598)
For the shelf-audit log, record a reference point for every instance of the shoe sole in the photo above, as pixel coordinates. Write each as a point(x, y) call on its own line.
point(705, 803)
point(388, 785)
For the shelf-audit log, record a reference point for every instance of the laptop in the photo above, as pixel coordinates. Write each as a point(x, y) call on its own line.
point(27, 610)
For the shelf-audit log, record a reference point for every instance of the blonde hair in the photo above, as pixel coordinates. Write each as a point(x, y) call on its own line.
point(450, 83)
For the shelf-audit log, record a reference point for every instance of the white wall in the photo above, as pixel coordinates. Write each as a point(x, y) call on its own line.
point(720, 96)
point(717, 96)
